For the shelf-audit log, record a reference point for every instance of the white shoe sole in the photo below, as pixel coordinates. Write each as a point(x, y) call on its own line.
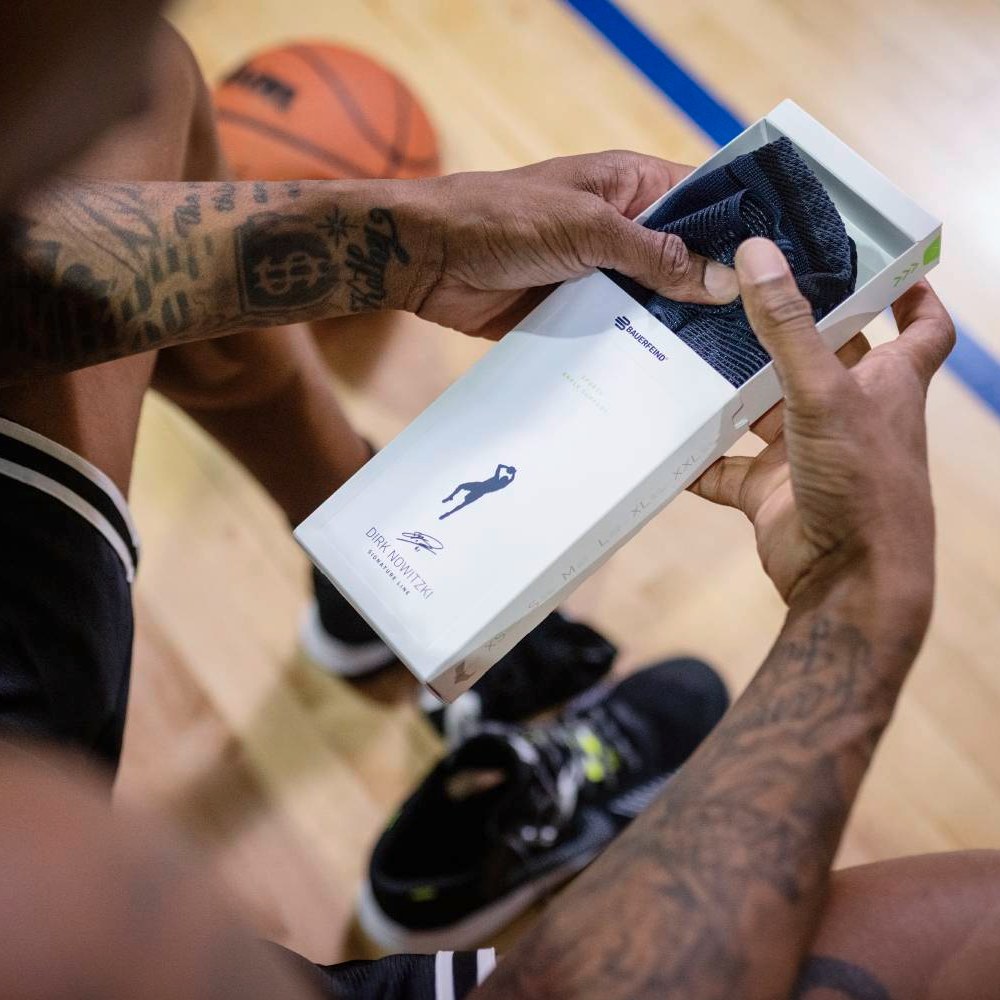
point(468, 933)
point(340, 658)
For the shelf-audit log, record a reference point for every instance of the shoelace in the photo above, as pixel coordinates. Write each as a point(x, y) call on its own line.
point(568, 759)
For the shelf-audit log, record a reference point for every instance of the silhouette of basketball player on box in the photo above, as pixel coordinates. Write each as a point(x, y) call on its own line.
point(500, 479)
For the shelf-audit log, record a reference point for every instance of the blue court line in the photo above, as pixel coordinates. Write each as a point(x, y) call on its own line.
point(975, 366)
point(662, 71)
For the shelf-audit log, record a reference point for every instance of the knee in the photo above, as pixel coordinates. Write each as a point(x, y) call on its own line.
point(239, 371)
point(181, 99)
point(174, 137)
point(176, 75)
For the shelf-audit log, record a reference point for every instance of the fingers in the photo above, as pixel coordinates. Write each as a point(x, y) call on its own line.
point(854, 350)
point(769, 426)
point(926, 332)
point(783, 322)
point(722, 482)
point(662, 263)
point(629, 181)
point(655, 178)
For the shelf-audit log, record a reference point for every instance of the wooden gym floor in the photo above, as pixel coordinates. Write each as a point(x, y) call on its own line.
point(285, 775)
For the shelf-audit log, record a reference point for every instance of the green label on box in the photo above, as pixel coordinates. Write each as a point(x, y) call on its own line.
point(933, 251)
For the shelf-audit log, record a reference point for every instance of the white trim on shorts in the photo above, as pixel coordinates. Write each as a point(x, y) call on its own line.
point(444, 971)
point(65, 495)
point(74, 461)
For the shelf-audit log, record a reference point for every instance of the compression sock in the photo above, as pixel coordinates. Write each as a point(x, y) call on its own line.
point(769, 192)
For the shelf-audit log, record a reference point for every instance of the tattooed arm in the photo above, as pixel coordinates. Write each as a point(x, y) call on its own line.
point(714, 893)
point(102, 270)
point(94, 271)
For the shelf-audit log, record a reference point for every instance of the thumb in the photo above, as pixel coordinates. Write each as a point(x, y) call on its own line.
point(783, 321)
point(662, 263)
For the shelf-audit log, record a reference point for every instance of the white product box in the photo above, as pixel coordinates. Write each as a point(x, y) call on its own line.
point(460, 535)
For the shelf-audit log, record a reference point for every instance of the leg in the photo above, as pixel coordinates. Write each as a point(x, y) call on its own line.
point(465, 503)
point(66, 447)
point(265, 396)
point(264, 393)
point(95, 411)
point(922, 927)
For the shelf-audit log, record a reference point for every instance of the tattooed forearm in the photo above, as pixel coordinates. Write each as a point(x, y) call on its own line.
point(713, 894)
point(94, 271)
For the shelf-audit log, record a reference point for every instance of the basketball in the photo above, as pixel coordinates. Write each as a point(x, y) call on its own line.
point(311, 110)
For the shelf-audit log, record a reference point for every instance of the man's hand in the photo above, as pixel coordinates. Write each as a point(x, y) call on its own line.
point(505, 238)
point(844, 475)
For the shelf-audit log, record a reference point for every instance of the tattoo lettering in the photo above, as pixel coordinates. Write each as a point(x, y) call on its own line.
point(368, 264)
point(260, 195)
point(293, 189)
point(834, 978)
point(188, 215)
point(283, 263)
point(224, 199)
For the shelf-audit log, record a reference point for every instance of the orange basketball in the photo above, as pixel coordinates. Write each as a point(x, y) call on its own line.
point(315, 111)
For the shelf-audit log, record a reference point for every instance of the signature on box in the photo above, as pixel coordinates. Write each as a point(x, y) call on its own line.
point(421, 542)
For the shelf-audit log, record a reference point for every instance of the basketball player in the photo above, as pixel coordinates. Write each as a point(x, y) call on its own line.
point(723, 888)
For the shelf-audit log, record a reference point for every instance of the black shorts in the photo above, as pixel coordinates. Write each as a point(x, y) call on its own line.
point(68, 556)
point(448, 975)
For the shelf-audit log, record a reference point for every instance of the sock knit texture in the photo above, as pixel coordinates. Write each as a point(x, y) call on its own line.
point(769, 192)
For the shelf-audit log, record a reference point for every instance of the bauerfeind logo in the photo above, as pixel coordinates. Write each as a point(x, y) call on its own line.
point(624, 324)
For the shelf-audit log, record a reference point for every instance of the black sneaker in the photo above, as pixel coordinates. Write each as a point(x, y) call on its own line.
point(513, 812)
point(558, 660)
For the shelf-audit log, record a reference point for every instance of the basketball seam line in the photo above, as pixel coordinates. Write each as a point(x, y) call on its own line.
point(304, 145)
point(336, 86)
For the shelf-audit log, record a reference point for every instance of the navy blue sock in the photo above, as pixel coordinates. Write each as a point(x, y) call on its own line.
point(769, 192)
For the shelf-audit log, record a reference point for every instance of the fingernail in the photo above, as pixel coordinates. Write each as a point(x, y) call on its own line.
point(759, 260)
point(721, 282)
